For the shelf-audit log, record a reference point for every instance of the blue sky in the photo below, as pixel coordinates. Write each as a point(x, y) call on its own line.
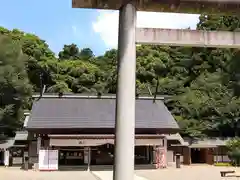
point(58, 23)
point(54, 21)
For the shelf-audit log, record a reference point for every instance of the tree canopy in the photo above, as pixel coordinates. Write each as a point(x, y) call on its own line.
point(203, 83)
point(15, 88)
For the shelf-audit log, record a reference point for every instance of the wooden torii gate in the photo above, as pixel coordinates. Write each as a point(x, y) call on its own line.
point(128, 37)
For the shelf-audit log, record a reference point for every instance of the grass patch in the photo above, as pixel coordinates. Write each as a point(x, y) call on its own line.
point(222, 164)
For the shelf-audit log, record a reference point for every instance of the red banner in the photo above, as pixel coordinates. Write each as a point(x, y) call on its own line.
point(160, 158)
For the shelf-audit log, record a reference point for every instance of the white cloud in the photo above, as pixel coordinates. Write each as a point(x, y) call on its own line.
point(76, 32)
point(106, 23)
point(74, 29)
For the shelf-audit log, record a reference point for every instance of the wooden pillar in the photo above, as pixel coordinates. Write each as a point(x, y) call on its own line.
point(89, 158)
point(39, 146)
point(39, 143)
point(23, 156)
point(85, 153)
point(151, 154)
point(46, 143)
point(154, 155)
point(165, 152)
point(209, 156)
point(147, 153)
point(186, 155)
point(165, 144)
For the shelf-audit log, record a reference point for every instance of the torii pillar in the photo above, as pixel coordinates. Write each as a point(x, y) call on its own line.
point(125, 102)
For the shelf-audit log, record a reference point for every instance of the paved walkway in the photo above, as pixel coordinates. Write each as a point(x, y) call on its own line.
point(108, 175)
point(171, 173)
point(17, 174)
point(188, 173)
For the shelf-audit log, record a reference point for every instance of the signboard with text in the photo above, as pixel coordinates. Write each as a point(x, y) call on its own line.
point(48, 160)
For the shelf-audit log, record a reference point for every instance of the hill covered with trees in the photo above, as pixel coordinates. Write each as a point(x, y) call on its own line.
point(204, 83)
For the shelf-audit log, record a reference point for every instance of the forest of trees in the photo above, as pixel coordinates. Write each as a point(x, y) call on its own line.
point(203, 83)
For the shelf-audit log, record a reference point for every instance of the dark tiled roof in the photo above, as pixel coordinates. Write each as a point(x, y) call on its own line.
point(95, 113)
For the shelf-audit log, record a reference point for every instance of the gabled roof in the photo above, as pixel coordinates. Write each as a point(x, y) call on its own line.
point(73, 112)
point(21, 136)
point(208, 142)
point(5, 144)
point(177, 137)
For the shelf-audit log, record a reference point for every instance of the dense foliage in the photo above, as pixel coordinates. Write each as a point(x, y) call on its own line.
point(15, 89)
point(204, 83)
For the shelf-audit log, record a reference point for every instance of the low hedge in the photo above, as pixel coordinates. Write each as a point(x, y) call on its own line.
point(222, 164)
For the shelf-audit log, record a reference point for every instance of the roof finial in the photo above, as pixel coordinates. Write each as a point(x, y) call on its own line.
point(99, 94)
point(60, 94)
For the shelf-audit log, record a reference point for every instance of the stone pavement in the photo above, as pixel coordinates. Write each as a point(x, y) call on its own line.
point(17, 174)
point(185, 173)
point(193, 172)
point(108, 175)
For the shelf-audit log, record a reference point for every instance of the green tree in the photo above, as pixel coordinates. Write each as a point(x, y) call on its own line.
point(15, 89)
point(69, 52)
point(233, 146)
point(86, 54)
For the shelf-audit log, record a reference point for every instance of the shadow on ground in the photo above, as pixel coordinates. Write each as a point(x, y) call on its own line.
point(101, 168)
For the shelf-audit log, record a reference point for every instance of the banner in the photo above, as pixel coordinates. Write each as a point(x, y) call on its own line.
point(48, 160)
point(52, 159)
point(160, 158)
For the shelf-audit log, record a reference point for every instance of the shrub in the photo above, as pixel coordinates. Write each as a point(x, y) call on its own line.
point(234, 151)
point(234, 155)
point(222, 164)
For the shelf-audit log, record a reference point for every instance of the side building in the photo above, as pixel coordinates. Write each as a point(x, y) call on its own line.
point(13, 150)
point(202, 151)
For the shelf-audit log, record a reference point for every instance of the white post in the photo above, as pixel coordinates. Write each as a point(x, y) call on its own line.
point(125, 102)
point(6, 157)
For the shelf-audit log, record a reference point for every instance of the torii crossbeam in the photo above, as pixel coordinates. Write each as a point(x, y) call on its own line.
point(179, 6)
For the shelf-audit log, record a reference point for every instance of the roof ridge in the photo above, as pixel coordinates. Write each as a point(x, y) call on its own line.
point(79, 96)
